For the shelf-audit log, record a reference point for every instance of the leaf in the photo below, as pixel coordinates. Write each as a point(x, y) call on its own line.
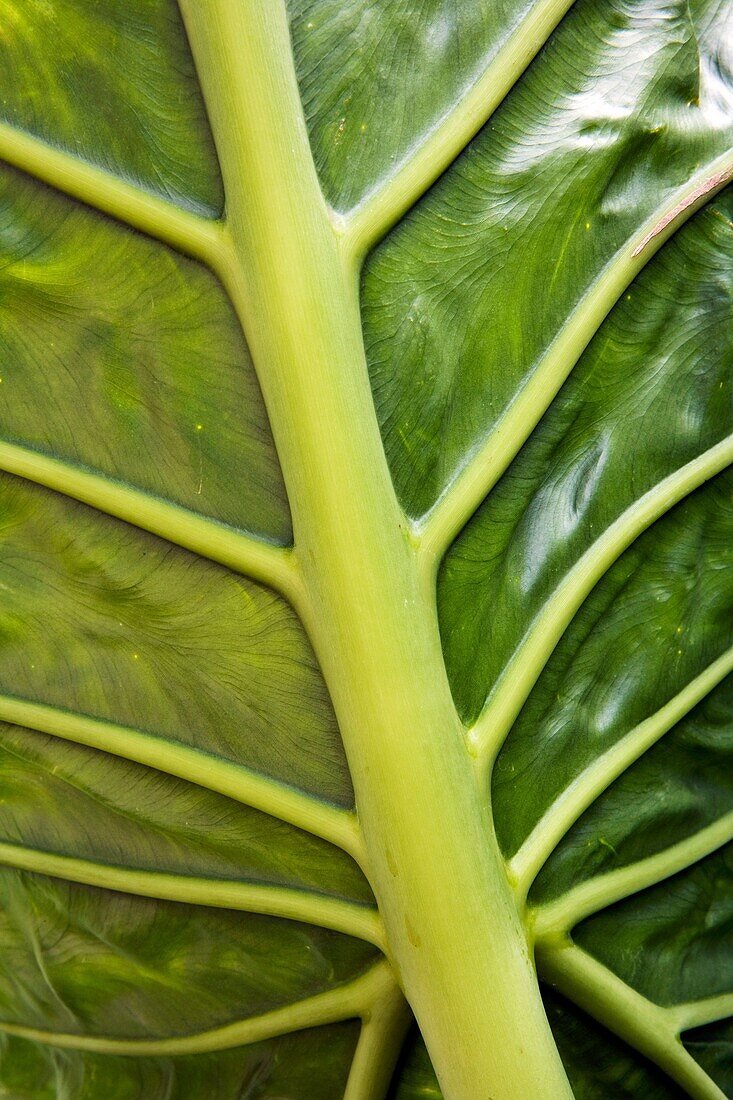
point(70, 60)
point(600, 1066)
point(366, 526)
point(85, 306)
point(308, 1064)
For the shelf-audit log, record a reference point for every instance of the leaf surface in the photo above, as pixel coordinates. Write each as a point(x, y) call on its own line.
point(531, 200)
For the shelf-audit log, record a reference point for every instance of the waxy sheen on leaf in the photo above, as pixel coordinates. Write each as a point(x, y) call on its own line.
point(366, 570)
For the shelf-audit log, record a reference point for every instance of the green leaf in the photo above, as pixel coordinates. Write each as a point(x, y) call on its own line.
point(311, 1064)
point(71, 60)
point(354, 57)
point(147, 345)
point(366, 550)
point(712, 1047)
point(488, 283)
point(598, 1064)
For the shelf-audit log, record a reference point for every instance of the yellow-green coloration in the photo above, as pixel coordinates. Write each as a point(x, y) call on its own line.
point(352, 512)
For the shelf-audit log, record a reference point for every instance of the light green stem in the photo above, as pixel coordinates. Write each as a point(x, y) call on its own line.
point(698, 1013)
point(339, 827)
point(345, 1002)
point(382, 1033)
point(422, 166)
point(188, 233)
point(521, 672)
point(275, 901)
point(272, 565)
point(453, 930)
point(643, 1025)
point(597, 893)
point(461, 499)
point(598, 776)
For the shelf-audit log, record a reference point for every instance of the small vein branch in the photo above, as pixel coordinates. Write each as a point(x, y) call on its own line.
point(342, 1003)
point(559, 916)
point(698, 1013)
point(383, 1030)
point(514, 685)
point(262, 561)
point(180, 229)
point(275, 901)
point(458, 503)
point(571, 803)
point(336, 826)
point(379, 211)
point(645, 1026)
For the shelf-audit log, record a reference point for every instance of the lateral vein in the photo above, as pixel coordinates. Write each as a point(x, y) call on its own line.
point(705, 188)
point(265, 562)
point(571, 803)
point(383, 1030)
point(351, 1000)
point(597, 893)
point(379, 211)
point(645, 1026)
point(182, 230)
point(338, 827)
point(352, 919)
point(451, 512)
point(698, 1013)
point(522, 671)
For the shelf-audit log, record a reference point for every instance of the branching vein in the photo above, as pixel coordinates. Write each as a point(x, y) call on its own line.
point(380, 1042)
point(384, 206)
point(275, 901)
point(521, 673)
point(589, 897)
point(262, 561)
point(485, 467)
point(646, 1027)
point(598, 776)
point(339, 827)
point(352, 1000)
point(698, 1013)
point(182, 230)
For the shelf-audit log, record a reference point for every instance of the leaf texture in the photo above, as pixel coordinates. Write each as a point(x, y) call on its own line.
point(530, 199)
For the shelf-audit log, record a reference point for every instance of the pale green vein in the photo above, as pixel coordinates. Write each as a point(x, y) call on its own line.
point(597, 893)
point(379, 211)
point(698, 1013)
point(348, 1001)
point(339, 827)
point(182, 230)
point(273, 901)
point(514, 685)
point(598, 776)
point(383, 1030)
point(262, 561)
point(455, 507)
point(646, 1027)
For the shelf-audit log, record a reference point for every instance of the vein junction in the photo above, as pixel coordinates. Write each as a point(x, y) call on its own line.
point(374, 997)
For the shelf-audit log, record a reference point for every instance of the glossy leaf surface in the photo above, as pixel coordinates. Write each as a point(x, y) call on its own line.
point(531, 200)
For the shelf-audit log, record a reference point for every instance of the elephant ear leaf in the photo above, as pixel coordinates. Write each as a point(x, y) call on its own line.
point(535, 196)
point(177, 833)
point(530, 354)
point(593, 665)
